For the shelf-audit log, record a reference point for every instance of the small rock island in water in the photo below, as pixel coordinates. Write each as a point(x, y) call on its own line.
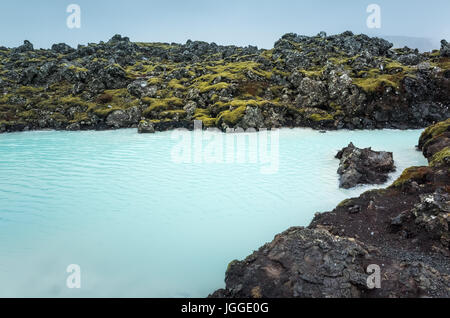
point(363, 166)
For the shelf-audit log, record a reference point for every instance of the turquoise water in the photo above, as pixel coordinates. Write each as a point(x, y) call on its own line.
point(140, 222)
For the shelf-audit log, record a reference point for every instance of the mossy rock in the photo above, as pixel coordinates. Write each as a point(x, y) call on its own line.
point(28, 115)
point(321, 117)
point(77, 69)
point(104, 111)
point(433, 131)
point(176, 84)
point(205, 117)
point(79, 117)
point(59, 117)
point(173, 114)
point(417, 174)
point(204, 87)
point(160, 105)
point(377, 83)
point(314, 73)
point(28, 91)
point(441, 158)
point(232, 117)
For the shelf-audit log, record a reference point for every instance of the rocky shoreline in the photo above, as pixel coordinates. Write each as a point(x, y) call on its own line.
point(403, 229)
point(343, 81)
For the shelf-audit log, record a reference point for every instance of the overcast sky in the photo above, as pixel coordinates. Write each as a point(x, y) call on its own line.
point(239, 22)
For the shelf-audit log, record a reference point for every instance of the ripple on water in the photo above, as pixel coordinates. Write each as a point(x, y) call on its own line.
point(139, 224)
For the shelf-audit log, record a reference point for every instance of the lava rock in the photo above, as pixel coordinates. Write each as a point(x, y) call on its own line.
point(305, 263)
point(433, 214)
point(62, 48)
point(445, 48)
point(146, 127)
point(25, 47)
point(363, 166)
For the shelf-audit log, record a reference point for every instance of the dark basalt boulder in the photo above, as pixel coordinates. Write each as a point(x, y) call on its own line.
point(445, 48)
point(123, 118)
point(62, 48)
point(305, 263)
point(299, 263)
point(141, 89)
point(146, 127)
point(363, 166)
point(27, 46)
point(432, 213)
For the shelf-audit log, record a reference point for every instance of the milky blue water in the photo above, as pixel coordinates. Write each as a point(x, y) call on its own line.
point(144, 218)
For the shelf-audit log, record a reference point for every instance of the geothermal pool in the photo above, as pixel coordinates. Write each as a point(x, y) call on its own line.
point(161, 215)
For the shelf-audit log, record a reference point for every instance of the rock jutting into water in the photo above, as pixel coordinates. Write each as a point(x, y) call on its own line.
point(402, 230)
point(363, 166)
point(325, 82)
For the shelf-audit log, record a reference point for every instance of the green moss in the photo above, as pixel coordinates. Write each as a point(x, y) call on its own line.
point(104, 111)
point(204, 116)
point(77, 69)
point(234, 71)
point(118, 99)
point(341, 60)
point(78, 117)
point(28, 90)
point(438, 128)
point(175, 84)
point(177, 113)
point(30, 114)
point(232, 117)
point(204, 87)
point(159, 45)
point(154, 81)
point(159, 105)
point(70, 101)
point(59, 117)
point(372, 84)
point(417, 174)
point(312, 73)
point(374, 79)
point(440, 158)
point(321, 117)
point(444, 63)
point(395, 65)
point(139, 69)
point(345, 203)
point(434, 131)
point(276, 71)
point(4, 98)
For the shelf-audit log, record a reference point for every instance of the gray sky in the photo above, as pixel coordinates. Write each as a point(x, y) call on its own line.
point(240, 22)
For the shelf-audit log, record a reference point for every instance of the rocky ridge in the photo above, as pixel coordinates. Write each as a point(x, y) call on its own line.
point(325, 82)
point(403, 229)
